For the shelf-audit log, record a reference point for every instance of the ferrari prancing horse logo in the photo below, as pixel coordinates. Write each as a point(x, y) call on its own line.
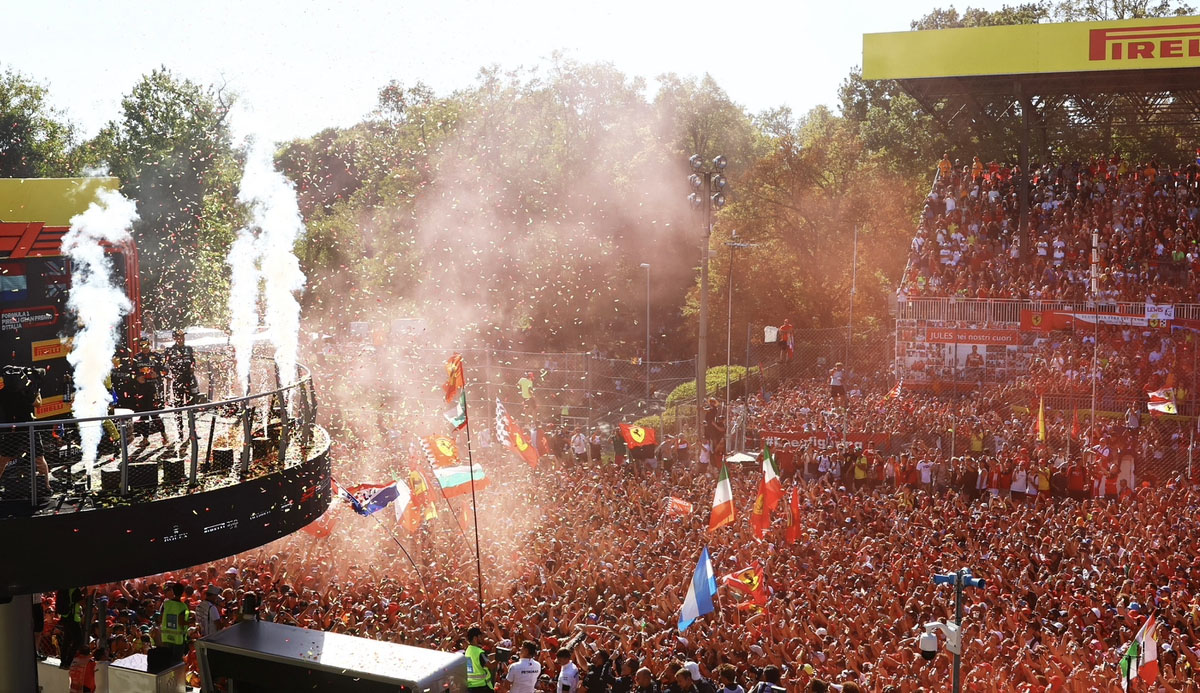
point(446, 447)
point(637, 434)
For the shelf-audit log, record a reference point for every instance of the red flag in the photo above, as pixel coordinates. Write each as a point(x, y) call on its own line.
point(440, 451)
point(1075, 429)
point(322, 526)
point(792, 533)
point(455, 379)
point(748, 581)
point(677, 507)
point(421, 507)
point(510, 436)
point(637, 436)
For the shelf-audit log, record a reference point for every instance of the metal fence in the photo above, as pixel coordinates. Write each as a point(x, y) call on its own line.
point(398, 386)
point(154, 454)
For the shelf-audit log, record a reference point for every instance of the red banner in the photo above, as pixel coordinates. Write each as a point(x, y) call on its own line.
point(783, 440)
point(949, 335)
point(1050, 320)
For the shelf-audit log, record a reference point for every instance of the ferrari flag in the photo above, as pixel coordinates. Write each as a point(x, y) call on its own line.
point(509, 435)
point(637, 436)
point(455, 379)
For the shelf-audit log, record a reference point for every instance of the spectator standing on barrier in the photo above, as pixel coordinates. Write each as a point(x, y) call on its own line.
point(784, 340)
point(525, 385)
point(208, 612)
point(173, 623)
point(579, 446)
point(837, 383)
point(480, 671)
point(619, 448)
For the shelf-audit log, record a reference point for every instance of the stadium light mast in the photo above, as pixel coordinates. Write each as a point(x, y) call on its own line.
point(732, 244)
point(708, 194)
point(646, 266)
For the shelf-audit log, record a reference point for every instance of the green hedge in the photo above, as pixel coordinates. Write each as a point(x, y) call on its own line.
point(714, 382)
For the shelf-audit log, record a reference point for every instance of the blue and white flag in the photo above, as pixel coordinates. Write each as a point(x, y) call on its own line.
point(699, 599)
point(369, 499)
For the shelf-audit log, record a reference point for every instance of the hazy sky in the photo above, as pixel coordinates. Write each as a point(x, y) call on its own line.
point(301, 66)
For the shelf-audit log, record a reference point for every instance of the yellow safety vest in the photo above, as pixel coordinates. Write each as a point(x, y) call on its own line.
point(478, 675)
point(174, 622)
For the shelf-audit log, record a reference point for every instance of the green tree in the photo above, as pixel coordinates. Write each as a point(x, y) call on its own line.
point(1102, 10)
point(35, 139)
point(171, 149)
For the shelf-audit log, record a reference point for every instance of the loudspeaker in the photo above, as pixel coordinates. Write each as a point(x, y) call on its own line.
point(110, 480)
point(159, 658)
point(143, 475)
point(173, 470)
point(260, 447)
point(222, 459)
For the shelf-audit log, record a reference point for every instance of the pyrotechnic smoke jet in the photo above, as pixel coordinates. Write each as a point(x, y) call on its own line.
point(98, 305)
point(243, 303)
point(276, 214)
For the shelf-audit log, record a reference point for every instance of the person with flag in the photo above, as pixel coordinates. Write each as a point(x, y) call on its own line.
point(1140, 659)
point(722, 506)
point(770, 490)
point(700, 593)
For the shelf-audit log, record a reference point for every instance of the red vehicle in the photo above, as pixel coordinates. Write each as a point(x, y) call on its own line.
point(35, 279)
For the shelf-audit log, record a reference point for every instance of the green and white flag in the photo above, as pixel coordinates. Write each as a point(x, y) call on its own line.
point(458, 415)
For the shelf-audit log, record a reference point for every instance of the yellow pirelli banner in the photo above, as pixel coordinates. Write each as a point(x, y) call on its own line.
point(1136, 44)
point(52, 201)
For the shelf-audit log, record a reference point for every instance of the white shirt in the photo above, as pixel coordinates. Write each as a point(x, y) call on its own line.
point(579, 444)
point(568, 678)
point(925, 467)
point(208, 618)
point(523, 675)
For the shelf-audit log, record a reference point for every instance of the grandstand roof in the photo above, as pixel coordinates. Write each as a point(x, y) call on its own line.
point(1124, 73)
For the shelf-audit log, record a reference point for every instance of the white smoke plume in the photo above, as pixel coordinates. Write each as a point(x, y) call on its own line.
point(243, 302)
point(98, 305)
point(275, 212)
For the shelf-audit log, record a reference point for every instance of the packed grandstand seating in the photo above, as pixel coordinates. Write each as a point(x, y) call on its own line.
point(1146, 215)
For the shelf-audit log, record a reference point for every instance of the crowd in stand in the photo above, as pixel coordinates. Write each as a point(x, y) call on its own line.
point(1145, 214)
point(577, 546)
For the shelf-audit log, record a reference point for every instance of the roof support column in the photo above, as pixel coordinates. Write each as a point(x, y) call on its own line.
point(1022, 180)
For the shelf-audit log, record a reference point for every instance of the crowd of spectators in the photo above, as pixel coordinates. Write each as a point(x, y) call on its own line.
point(1146, 214)
point(577, 546)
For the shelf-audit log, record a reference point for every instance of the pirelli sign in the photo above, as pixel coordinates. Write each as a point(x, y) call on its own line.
point(1138, 44)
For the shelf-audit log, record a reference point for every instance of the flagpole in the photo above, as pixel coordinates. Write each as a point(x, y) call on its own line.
point(420, 580)
point(474, 509)
point(453, 514)
point(392, 534)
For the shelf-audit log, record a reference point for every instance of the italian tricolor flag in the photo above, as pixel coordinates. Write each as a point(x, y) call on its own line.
point(722, 507)
point(1140, 660)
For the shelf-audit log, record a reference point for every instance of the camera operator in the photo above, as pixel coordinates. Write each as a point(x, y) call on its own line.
point(19, 395)
point(523, 674)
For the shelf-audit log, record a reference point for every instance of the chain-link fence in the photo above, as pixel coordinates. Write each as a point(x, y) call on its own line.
point(399, 386)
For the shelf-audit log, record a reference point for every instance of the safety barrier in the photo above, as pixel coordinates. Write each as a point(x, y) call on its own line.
point(199, 447)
